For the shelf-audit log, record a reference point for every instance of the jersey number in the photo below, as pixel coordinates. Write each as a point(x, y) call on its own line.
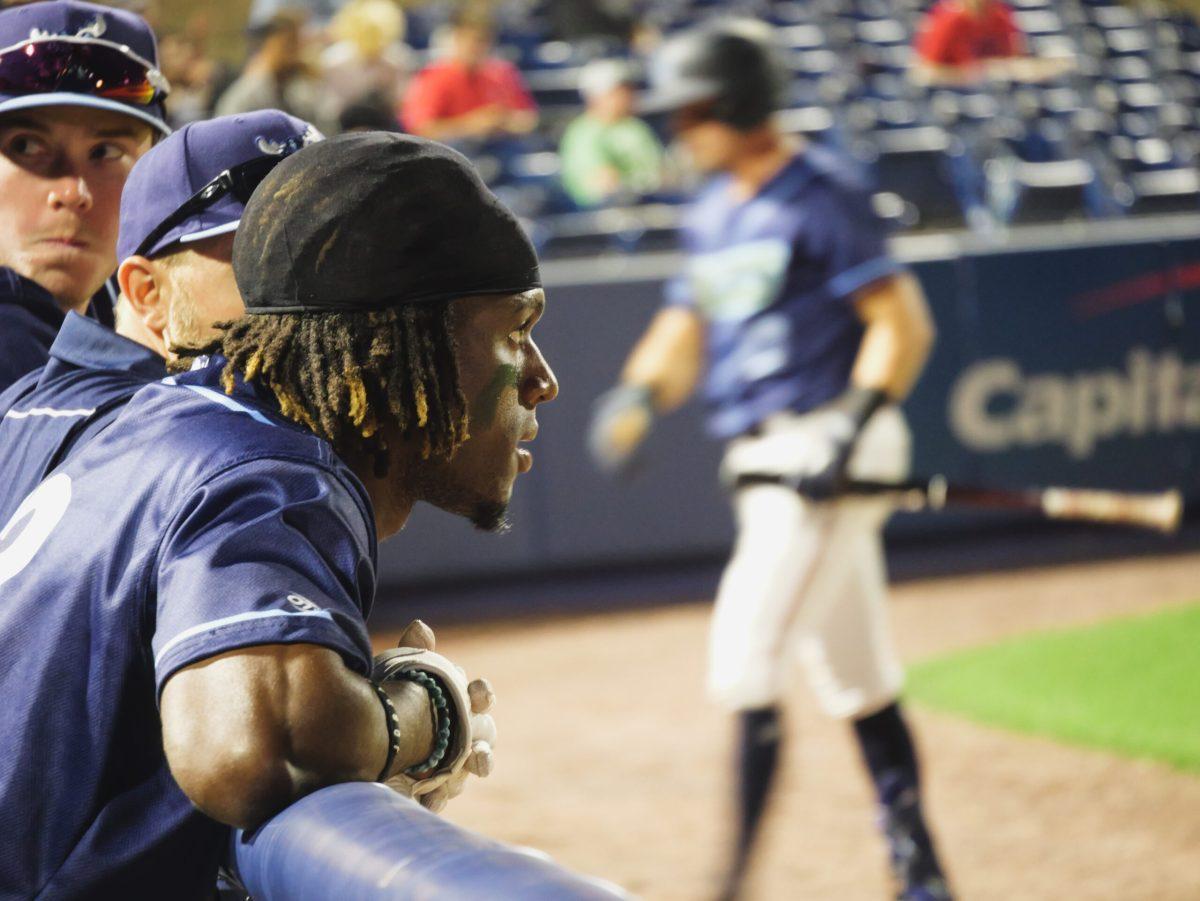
point(31, 525)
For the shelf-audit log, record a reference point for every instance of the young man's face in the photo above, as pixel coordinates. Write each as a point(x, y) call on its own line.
point(711, 145)
point(200, 291)
point(172, 301)
point(504, 377)
point(62, 169)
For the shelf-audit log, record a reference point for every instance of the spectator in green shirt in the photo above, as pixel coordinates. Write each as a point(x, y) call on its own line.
point(608, 154)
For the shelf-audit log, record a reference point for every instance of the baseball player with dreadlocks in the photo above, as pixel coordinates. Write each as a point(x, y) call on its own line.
point(183, 631)
point(812, 333)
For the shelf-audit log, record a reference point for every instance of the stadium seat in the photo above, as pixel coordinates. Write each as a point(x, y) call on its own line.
point(1165, 191)
point(1025, 192)
point(918, 165)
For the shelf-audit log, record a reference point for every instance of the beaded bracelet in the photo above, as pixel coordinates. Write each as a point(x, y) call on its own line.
point(441, 712)
point(393, 725)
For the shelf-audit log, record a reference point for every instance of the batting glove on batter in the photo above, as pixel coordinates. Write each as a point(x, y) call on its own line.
point(472, 730)
point(853, 407)
point(621, 419)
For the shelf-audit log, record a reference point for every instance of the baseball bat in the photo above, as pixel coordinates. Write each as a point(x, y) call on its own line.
point(1161, 511)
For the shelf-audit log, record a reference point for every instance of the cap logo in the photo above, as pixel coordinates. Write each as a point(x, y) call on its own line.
point(95, 29)
point(291, 145)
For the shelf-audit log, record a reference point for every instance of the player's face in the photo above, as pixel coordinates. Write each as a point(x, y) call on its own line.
point(201, 290)
point(711, 146)
point(61, 174)
point(504, 377)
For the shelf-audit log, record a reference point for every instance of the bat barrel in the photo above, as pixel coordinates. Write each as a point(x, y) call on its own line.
point(1162, 511)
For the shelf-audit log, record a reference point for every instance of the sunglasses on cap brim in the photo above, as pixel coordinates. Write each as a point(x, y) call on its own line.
point(66, 64)
point(237, 181)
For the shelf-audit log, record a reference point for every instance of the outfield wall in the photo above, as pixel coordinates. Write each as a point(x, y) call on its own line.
point(1066, 355)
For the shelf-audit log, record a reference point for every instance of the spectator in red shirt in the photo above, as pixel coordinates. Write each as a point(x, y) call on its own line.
point(962, 41)
point(468, 95)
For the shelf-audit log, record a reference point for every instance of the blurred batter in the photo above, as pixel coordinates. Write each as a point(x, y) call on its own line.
point(806, 333)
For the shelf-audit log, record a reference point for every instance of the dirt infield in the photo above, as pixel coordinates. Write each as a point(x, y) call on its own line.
point(611, 760)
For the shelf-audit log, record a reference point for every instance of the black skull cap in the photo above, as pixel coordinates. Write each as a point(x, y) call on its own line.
point(374, 220)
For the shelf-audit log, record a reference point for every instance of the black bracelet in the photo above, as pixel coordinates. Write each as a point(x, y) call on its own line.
point(441, 719)
point(393, 726)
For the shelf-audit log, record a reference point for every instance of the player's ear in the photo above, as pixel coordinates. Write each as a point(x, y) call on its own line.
point(141, 285)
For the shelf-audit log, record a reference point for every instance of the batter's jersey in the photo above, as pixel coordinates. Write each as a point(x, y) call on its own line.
point(197, 523)
point(92, 373)
point(773, 277)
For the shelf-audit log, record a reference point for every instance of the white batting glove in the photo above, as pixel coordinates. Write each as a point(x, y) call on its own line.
point(472, 731)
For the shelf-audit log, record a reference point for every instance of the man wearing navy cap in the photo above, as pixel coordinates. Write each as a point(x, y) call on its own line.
point(81, 99)
point(181, 205)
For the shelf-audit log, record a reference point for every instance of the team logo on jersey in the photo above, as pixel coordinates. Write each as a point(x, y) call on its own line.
point(38, 515)
point(735, 283)
point(303, 604)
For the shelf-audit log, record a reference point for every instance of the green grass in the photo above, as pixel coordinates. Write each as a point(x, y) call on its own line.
point(1131, 686)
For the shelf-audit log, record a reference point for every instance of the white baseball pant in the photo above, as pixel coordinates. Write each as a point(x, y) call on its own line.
point(808, 579)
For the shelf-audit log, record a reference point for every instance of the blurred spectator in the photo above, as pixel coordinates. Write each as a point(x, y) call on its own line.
point(370, 113)
point(603, 24)
point(318, 12)
point(469, 94)
point(367, 62)
point(608, 152)
point(276, 76)
point(965, 41)
point(192, 75)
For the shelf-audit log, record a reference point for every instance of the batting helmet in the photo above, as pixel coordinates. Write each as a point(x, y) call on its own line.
point(734, 63)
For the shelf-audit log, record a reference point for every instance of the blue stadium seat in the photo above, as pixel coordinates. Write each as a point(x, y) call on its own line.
point(919, 165)
point(1024, 192)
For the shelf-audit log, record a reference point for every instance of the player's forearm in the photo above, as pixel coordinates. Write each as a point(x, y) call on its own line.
point(668, 358)
point(249, 732)
point(898, 339)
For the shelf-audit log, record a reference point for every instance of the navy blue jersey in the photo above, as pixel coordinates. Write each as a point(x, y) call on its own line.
point(29, 320)
point(92, 372)
point(195, 524)
point(773, 277)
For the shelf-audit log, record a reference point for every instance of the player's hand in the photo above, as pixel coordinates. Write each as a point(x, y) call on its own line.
point(850, 412)
point(621, 419)
point(472, 733)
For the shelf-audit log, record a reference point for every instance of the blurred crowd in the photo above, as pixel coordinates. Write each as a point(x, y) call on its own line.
point(355, 65)
point(542, 96)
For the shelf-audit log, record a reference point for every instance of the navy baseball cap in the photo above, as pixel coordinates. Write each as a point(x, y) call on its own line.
point(68, 53)
point(189, 180)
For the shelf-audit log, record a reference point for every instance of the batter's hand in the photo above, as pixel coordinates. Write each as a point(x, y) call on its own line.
point(473, 732)
point(621, 419)
point(852, 409)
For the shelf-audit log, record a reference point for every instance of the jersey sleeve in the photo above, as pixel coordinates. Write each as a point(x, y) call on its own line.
point(850, 240)
point(269, 552)
point(678, 291)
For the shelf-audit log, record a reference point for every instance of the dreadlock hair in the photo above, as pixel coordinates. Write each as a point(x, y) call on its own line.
point(346, 375)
